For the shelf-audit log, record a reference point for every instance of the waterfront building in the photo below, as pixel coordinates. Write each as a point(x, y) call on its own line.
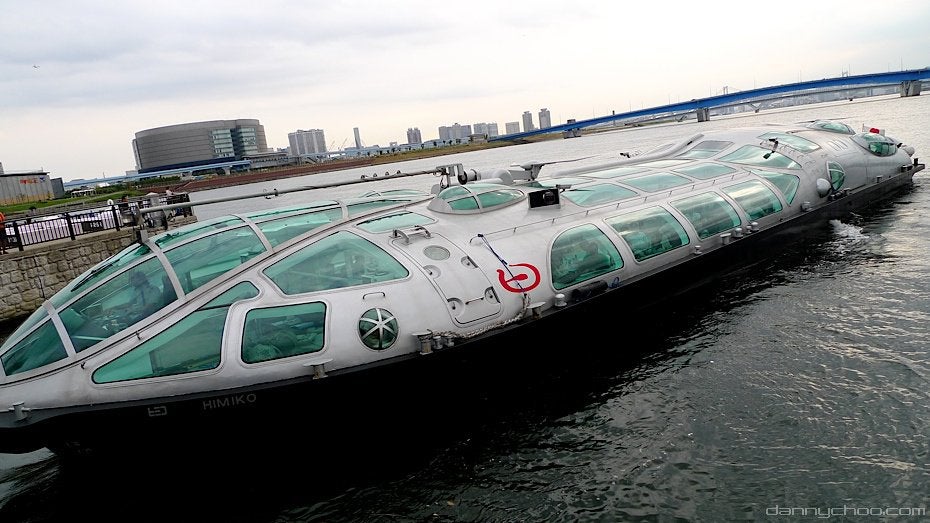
point(492, 130)
point(528, 121)
point(414, 136)
point(306, 143)
point(455, 132)
point(512, 127)
point(358, 138)
point(197, 144)
point(545, 119)
point(27, 186)
point(487, 129)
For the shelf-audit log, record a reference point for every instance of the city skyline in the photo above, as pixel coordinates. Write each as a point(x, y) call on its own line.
point(75, 88)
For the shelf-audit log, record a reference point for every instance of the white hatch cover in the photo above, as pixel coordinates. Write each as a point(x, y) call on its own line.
point(468, 293)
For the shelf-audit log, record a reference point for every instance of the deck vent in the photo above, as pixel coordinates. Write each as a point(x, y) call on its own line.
point(544, 198)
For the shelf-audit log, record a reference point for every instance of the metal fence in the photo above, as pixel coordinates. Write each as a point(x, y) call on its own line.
point(33, 230)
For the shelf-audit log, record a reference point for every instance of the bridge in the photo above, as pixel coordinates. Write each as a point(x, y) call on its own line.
point(909, 81)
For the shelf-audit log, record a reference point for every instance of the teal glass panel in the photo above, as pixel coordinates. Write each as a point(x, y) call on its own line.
point(705, 171)
point(280, 230)
point(657, 182)
point(279, 332)
point(650, 232)
point(400, 220)
point(240, 291)
point(709, 213)
point(41, 347)
point(590, 195)
point(705, 149)
point(456, 191)
point(837, 175)
point(498, 197)
point(209, 257)
point(876, 144)
point(615, 172)
point(260, 216)
point(124, 300)
point(180, 234)
point(786, 183)
point(34, 318)
point(580, 254)
point(755, 198)
point(355, 209)
point(112, 265)
point(340, 260)
point(831, 126)
point(760, 157)
point(792, 140)
point(191, 345)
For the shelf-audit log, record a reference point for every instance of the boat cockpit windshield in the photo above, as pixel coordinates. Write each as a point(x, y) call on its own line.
point(877, 144)
point(760, 157)
point(474, 198)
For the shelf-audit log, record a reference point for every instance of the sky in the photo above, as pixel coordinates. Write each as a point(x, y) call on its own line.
point(79, 78)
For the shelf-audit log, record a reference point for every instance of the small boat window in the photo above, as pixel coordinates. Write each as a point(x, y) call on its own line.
point(705, 149)
point(755, 198)
point(124, 300)
point(657, 181)
point(792, 140)
point(709, 213)
point(362, 207)
point(283, 229)
point(616, 172)
point(41, 347)
point(876, 144)
point(580, 254)
point(34, 318)
point(837, 175)
point(193, 344)
point(260, 216)
point(760, 157)
point(398, 220)
point(705, 171)
point(340, 260)
point(600, 193)
point(474, 197)
point(829, 125)
point(279, 332)
point(650, 232)
point(204, 259)
point(786, 183)
point(663, 163)
point(112, 265)
point(180, 234)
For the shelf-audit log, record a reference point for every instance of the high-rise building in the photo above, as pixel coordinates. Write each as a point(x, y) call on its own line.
point(413, 135)
point(197, 143)
point(492, 130)
point(512, 127)
point(528, 121)
point(456, 132)
point(358, 138)
point(545, 119)
point(304, 143)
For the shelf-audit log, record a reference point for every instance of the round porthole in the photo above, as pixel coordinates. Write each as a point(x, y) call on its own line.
point(435, 252)
point(378, 329)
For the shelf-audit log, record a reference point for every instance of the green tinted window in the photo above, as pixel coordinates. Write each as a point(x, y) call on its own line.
point(362, 207)
point(786, 183)
point(260, 216)
point(126, 257)
point(202, 260)
point(705, 171)
point(705, 149)
point(279, 332)
point(393, 221)
point(657, 182)
point(281, 230)
point(124, 300)
point(496, 197)
point(615, 172)
point(581, 254)
point(664, 163)
point(195, 229)
point(755, 198)
point(837, 175)
point(833, 127)
point(599, 193)
point(34, 318)
point(193, 344)
point(760, 157)
point(240, 291)
point(709, 213)
point(792, 140)
point(650, 232)
point(464, 204)
point(550, 183)
point(41, 347)
point(339, 260)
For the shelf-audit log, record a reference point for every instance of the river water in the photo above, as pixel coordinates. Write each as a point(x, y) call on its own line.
point(796, 390)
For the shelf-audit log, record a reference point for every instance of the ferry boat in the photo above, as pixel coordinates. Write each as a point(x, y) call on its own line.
point(280, 309)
